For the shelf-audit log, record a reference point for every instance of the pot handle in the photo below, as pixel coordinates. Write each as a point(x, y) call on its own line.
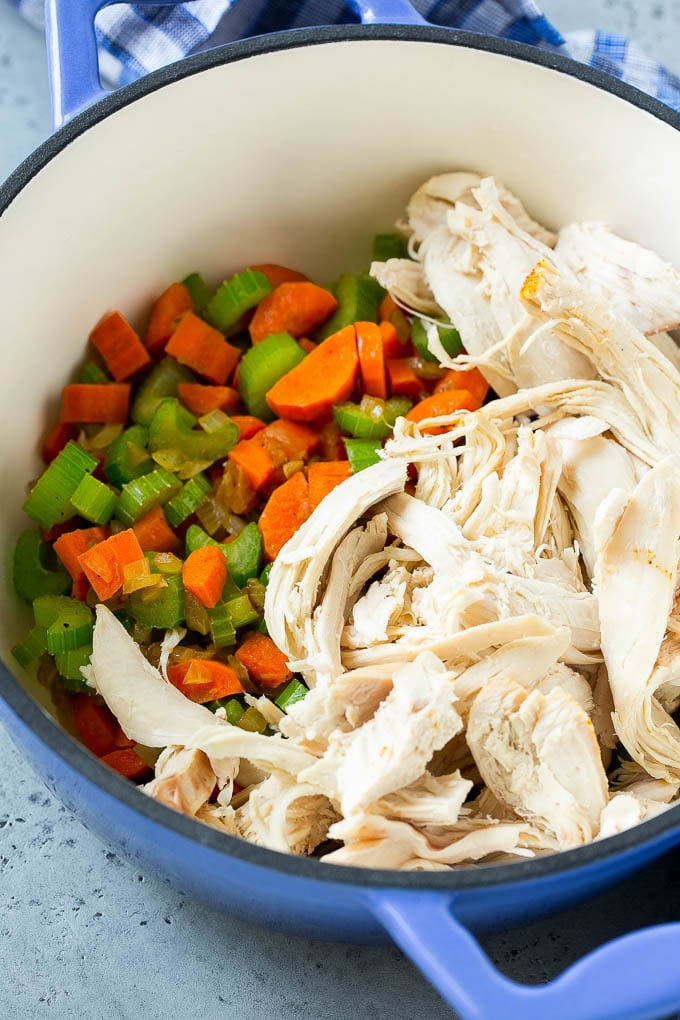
point(634, 976)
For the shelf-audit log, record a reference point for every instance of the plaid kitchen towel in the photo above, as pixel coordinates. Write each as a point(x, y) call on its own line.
point(134, 39)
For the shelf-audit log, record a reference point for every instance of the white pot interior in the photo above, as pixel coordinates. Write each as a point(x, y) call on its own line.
point(296, 156)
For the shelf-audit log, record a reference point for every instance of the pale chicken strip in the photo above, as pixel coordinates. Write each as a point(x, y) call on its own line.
point(184, 780)
point(284, 815)
point(539, 755)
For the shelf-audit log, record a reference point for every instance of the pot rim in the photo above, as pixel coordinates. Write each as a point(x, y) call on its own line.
point(48, 731)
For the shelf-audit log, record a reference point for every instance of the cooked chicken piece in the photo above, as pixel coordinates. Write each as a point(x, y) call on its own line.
point(539, 755)
point(572, 683)
point(668, 346)
point(632, 280)
point(285, 815)
point(392, 748)
point(375, 613)
point(221, 818)
point(625, 810)
point(407, 285)
point(522, 662)
point(183, 780)
point(635, 575)
point(430, 800)
point(389, 557)
point(267, 709)
point(665, 679)
point(294, 582)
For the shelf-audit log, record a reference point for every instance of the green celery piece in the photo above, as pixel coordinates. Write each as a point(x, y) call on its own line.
point(91, 372)
point(241, 612)
point(161, 382)
point(69, 663)
point(164, 608)
point(235, 296)
point(222, 629)
point(172, 428)
point(262, 627)
point(363, 425)
point(292, 692)
point(94, 500)
point(253, 721)
point(243, 555)
point(199, 290)
point(31, 574)
point(358, 300)
point(142, 494)
point(128, 457)
point(49, 501)
point(388, 245)
point(31, 646)
point(448, 336)
point(264, 576)
point(362, 453)
point(68, 621)
point(187, 500)
point(235, 711)
point(262, 366)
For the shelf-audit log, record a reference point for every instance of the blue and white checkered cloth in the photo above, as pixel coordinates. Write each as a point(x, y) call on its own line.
point(134, 40)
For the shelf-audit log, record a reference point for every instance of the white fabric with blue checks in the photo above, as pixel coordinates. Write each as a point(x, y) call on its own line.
point(134, 40)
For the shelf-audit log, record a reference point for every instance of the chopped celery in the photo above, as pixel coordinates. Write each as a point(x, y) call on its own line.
point(187, 500)
point(292, 692)
point(69, 663)
point(31, 571)
point(358, 300)
point(69, 622)
point(448, 337)
point(162, 608)
point(161, 382)
point(253, 721)
point(49, 501)
point(241, 612)
point(262, 366)
point(199, 290)
point(142, 494)
point(262, 627)
point(31, 647)
point(372, 418)
point(388, 245)
point(94, 500)
point(234, 711)
point(264, 576)
point(222, 629)
point(91, 372)
point(362, 453)
point(164, 563)
point(235, 296)
point(128, 457)
point(172, 429)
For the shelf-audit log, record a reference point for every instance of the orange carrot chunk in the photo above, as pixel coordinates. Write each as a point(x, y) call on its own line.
point(254, 460)
point(392, 345)
point(386, 307)
point(95, 403)
point(371, 359)
point(307, 345)
point(197, 345)
point(57, 438)
point(295, 308)
point(323, 477)
point(437, 404)
point(70, 546)
point(325, 377)
point(201, 399)
point(165, 314)
point(104, 564)
point(266, 665)
point(203, 680)
point(96, 725)
point(119, 346)
point(286, 509)
point(127, 763)
point(204, 572)
point(472, 381)
point(247, 425)
point(403, 380)
point(153, 532)
point(289, 440)
point(279, 274)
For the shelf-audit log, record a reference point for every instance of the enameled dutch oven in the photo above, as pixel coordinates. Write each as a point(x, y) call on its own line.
point(295, 148)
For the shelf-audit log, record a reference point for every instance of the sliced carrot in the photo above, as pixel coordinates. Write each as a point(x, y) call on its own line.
point(286, 509)
point(307, 345)
point(371, 359)
point(254, 460)
point(323, 476)
point(203, 680)
point(289, 440)
point(165, 314)
point(127, 763)
point(438, 404)
point(94, 403)
point(204, 572)
point(97, 727)
point(325, 377)
point(392, 345)
point(266, 665)
point(153, 532)
point(279, 274)
point(386, 307)
point(295, 308)
point(57, 438)
point(119, 346)
point(197, 345)
point(201, 399)
point(472, 381)
point(104, 563)
point(248, 425)
point(70, 546)
point(403, 380)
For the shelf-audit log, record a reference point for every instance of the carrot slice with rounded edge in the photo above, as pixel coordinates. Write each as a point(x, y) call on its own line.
point(165, 314)
point(279, 274)
point(127, 763)
point(69, 546)
point(254, 460)
point(153, 532)
point(200, 398)
point(96, 725)
point(295, 308)
point(104, 562)
point(472, 381)
point(248, 426)
point(371, 359)
point(203, 680)
point(325, 377)
point(392, 345)
point(203, 348)
point(323, 477)
point(204, 572)
point(289, 440)
point(95, 403)
point(403, 380)
point(286, 509)
point(265, 663)
point(438, 404)
point(119, 346)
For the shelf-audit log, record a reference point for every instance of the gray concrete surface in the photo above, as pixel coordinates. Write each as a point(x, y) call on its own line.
point(84, 934)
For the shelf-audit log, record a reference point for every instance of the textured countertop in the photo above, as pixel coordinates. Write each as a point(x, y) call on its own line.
point(83, 933)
